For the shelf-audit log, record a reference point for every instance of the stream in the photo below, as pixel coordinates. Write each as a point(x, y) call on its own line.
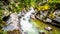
point(28, 25)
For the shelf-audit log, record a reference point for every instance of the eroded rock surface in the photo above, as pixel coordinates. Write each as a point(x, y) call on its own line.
point(12, 23)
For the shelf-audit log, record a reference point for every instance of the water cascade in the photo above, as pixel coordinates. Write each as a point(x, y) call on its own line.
point(27, 26)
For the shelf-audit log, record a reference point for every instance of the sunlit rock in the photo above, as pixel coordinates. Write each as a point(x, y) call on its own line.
point(48, 20)
point(33, 15)
point(57, 13)
point(41, 15)
point(48, 28)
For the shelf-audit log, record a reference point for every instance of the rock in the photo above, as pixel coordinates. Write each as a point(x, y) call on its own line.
point(48, 28)
point(6, 12)
point(33, 16)
point(48, 20)
point(12, 23)
point(21, 14)
point(43, 33)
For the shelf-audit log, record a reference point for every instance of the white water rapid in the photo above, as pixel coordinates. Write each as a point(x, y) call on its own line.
point(26, 26)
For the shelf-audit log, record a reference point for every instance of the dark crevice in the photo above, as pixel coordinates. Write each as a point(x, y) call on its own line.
point(6, 18)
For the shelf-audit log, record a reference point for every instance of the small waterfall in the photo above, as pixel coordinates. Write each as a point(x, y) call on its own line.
point(26, 26)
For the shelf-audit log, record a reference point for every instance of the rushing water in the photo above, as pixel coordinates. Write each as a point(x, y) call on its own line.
point(26, 25)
